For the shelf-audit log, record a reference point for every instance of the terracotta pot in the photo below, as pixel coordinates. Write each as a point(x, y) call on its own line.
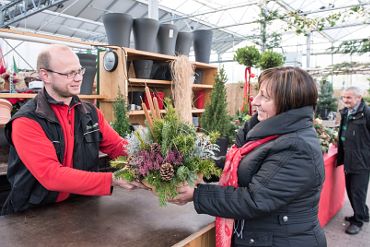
point(5, 111)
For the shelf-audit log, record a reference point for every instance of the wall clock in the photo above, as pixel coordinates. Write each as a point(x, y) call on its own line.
point(110, 61)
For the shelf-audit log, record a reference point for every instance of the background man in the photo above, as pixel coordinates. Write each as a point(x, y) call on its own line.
point(354, 153)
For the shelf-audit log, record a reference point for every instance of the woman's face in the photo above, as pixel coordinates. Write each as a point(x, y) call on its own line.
point(264, 103)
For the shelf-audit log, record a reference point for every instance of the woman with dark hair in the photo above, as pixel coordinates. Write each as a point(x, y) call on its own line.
point(269, 190)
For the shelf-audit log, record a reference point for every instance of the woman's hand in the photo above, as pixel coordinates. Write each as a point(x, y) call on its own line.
point(185, 195)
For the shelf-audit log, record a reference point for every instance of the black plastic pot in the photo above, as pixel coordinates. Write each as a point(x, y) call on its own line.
point(118, 28)
point(135, 97)
point(87, 61)
point(145, 34)
point(166, 39)
point(183, 43)
point(202, 45)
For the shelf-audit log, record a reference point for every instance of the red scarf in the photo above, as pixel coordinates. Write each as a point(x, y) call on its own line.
point(229, 177)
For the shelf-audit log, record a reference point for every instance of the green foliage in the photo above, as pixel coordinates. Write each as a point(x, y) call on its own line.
point(326, 99)
point(353, 46)
point(248, 56)
point(326, 135)
point(121, 123)
point(270, 59)
point(173, 143)
point(215, 117)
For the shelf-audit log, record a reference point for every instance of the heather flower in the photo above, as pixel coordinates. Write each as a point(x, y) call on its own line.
point(174, 157)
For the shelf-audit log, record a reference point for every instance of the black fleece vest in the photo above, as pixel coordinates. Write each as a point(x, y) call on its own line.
point(26, 191)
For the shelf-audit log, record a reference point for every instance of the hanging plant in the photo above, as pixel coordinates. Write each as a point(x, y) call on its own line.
point(270, 59)
point(248, 56)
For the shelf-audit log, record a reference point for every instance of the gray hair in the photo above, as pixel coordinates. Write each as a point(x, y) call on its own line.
point(355, 90)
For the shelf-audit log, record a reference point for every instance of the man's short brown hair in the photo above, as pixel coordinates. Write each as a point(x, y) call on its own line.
point(290, 87)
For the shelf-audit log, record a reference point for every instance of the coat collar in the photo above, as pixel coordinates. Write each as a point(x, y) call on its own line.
point(44, 100)
point(286, 122)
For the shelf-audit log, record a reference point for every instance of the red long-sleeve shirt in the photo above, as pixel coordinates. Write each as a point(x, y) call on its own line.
point(38, 154)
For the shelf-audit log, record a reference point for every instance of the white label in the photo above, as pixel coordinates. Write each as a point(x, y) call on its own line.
point(170, 34)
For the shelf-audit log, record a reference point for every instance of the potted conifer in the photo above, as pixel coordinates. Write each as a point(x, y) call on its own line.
point(215, 118)
point(326, 102)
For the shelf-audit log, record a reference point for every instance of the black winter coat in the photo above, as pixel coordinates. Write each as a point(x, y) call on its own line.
point(279, 185)
point(355, 152)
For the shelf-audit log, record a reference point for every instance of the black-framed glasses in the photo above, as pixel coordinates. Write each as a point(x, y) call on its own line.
point(71, 74)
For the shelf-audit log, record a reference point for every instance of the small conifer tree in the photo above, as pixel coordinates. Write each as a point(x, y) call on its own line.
point(327, 102)
point(121, 122)
point(215, 117)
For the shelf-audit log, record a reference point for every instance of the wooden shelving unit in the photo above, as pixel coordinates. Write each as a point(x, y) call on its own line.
point(123, 78)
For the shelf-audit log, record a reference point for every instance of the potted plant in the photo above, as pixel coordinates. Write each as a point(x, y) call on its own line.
point(215, 118)
point(248, 56)
point(270, 59)
point(326, 102)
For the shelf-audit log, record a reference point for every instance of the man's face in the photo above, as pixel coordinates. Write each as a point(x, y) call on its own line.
point(65, 79)
point(350, 100)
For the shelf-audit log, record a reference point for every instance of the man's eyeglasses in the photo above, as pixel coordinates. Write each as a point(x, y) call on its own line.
point(71, 74)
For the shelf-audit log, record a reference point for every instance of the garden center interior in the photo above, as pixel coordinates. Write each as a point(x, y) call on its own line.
point(204, 55)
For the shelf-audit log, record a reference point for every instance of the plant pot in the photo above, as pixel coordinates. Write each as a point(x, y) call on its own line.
point(161, 71)
point(135, 97)
point(198, 76)
point(87, 61)
point(118, 28)
point(202, 45)
point(166, 39)
point(183, 43)
point(199, 99)
point(160, 98)
point(5, 111)
point(145, 33)
point(223, 143)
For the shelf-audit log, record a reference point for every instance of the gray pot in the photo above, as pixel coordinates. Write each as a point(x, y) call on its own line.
point(202, 45)
point(183, 43)
point(118, 28)
point(145, 34)
point(87, 61)
point(166, 39)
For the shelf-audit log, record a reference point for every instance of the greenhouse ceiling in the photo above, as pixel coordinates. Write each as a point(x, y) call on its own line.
point(287, 24)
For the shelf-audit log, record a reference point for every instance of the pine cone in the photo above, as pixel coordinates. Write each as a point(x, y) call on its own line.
point(167, 172)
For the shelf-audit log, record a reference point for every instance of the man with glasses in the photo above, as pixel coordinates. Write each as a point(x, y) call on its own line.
point(354, 153)
point(55, 139)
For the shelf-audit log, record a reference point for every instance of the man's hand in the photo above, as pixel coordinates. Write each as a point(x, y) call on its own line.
point(128, 185)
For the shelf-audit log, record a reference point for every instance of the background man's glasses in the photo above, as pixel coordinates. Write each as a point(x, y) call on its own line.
point(71, 74)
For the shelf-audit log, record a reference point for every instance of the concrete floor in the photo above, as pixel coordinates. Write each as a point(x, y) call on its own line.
point(334, 230)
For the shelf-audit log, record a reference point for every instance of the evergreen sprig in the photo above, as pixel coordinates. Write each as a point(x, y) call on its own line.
point(121, 123)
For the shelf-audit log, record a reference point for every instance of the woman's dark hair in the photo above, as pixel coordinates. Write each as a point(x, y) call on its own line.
point(290, 87)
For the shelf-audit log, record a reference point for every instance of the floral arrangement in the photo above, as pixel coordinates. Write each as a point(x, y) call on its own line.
point(326, 135)
point(166, 154)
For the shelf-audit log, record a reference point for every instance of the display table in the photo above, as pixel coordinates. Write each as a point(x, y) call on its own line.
point(127, 218)
point(333, 190)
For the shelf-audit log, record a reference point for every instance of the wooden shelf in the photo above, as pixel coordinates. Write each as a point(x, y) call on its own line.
point(202, 86)
point(195, 111)
point(138, 113)
point(142, 82)
point(31, 95)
